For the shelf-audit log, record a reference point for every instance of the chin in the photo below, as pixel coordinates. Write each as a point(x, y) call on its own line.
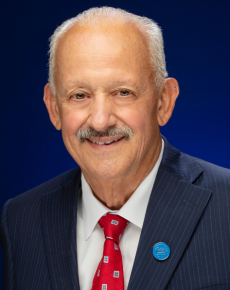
point(108, 171)
point(105, 166)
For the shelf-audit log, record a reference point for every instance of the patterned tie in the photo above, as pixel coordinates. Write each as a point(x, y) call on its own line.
point(109, 274)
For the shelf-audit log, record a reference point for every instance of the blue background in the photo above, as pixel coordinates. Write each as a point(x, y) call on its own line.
point(197, 46)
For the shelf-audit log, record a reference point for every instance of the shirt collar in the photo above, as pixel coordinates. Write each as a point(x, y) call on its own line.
point(133, 210)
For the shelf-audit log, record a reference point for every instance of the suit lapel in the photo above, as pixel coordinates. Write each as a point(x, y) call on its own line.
point(174, 209)
point(59, 210)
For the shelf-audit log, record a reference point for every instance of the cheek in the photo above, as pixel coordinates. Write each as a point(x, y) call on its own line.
point(72, 121)
point(135, 120)
point(140, 119)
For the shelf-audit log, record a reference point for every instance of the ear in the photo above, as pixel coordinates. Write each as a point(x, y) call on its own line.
point(166, 102)
point(52, 107)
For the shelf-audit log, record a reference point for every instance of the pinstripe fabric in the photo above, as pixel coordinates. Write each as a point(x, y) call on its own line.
point(188, 209)
point(23, 239)
point(168, 219)
point(8, 258)
point(59, 229)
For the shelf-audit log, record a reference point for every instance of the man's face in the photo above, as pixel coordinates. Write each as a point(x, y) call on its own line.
point(105, 81)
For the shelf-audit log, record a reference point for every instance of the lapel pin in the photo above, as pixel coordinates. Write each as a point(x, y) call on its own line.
point(161, 251)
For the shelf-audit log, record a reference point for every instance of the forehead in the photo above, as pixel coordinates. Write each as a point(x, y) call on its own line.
point(101, 55)
point(105, 40)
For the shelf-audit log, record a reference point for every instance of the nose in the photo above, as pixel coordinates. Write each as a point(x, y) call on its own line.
point(101, 113)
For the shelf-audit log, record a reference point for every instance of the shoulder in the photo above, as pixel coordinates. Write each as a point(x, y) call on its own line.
point(209, 175)
point(195, 170)
point(23, 203)
point(214, 177)
point(213, 168)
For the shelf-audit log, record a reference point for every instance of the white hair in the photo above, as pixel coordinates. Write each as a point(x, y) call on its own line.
point(96, 15)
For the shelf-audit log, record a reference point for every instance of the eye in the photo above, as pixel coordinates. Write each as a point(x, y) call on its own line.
point(124, 92)
point(79, 96)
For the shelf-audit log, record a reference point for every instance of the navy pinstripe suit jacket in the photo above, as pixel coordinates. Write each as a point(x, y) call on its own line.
point(188, 209)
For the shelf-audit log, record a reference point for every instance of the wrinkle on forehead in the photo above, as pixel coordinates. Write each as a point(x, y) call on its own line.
point(104, 42)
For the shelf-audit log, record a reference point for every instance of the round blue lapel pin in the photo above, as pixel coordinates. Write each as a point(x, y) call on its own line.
point(161, 251)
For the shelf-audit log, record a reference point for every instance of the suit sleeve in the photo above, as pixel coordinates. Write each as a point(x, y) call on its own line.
point(8, 267)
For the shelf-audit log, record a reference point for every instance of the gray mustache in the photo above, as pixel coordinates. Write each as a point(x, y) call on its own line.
point(126, 131)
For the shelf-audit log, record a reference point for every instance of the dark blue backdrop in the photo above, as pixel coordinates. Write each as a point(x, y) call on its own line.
point(197, 46)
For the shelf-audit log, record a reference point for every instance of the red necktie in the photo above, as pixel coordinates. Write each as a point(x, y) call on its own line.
point(109, 274)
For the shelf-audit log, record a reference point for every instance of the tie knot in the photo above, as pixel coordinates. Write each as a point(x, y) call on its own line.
point(113, 226)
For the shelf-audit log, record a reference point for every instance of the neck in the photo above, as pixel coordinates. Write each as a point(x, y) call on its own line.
point(114, 193)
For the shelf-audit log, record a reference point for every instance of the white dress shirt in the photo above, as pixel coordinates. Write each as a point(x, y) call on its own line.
point(90, 237)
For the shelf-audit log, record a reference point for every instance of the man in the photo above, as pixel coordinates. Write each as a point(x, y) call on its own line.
point(138, 214)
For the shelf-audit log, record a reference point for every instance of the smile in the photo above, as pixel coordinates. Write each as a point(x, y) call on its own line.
point(105, 143)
